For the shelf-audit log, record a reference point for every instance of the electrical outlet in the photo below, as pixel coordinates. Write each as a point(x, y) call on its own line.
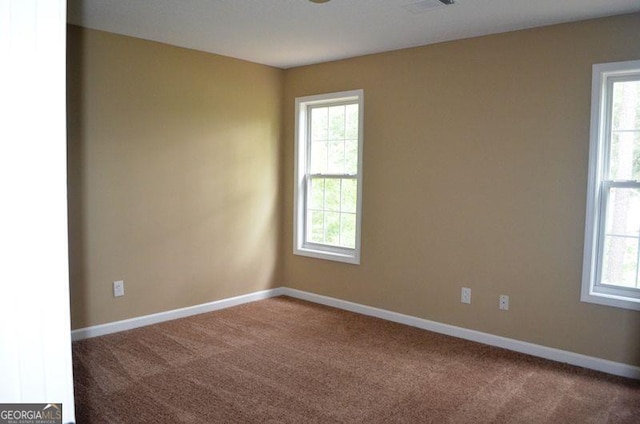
point(118, 288)
point(465, 296)
point(504, 302)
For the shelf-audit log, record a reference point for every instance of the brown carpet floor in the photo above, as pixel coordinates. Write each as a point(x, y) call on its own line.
point(287, 361)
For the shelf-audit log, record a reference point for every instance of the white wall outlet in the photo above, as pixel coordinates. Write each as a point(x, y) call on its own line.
point(465, 296)
point(118, 288)
point(504, 302)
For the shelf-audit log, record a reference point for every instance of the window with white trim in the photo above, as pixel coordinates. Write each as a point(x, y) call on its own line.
point(611, 274)
point(328, 176)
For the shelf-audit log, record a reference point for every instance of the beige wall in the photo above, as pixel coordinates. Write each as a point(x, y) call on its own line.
point(475, 174)
point(173, 176)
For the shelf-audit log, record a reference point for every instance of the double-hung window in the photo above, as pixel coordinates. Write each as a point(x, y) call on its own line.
point(611, 273)
point(328, 180)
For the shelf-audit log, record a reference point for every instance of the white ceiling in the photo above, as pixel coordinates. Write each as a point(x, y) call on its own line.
point(288, 33)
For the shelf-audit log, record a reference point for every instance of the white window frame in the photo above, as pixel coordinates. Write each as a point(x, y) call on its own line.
point(604, 75)
point(302, 150)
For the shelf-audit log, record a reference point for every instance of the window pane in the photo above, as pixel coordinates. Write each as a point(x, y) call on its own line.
point(332, 228)
point(623, 212)
point(626, 105)
point(624, 153)
point(620, 261)
point(351, 131)
point(336, 157)
point(348, 230)
point(622, 229)
point(318, 157)
point(316, 193)
point(332, 194)
point(336, 122)
point(625, 156)
point(351, 157)
point(316, 227)
point(349, 195)
point(319, 123)
point(331, 208)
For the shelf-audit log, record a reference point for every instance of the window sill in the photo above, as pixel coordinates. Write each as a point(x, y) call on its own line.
point(353, 259)
point(606, 299)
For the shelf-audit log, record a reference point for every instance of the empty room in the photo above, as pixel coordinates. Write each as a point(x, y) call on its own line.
point(338, 211)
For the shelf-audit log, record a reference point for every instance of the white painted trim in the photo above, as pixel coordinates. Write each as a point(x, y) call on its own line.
point(301, 155)
point(128, 324)
point(603, 76)
point(590, 362)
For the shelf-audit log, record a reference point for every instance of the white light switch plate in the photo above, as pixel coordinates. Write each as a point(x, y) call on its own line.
point(465, 296)
point(118, 288)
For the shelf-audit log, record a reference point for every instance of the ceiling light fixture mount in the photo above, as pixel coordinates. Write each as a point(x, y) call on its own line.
point(318, 1)
point(426, 5)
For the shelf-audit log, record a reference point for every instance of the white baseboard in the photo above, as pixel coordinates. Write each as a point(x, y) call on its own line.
point(128, 324)
point(590, 362)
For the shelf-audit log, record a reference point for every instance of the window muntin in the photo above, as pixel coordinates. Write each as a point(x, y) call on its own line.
point(619, 242)
point(612, 242)
point(331, 211)
point(328, 176)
